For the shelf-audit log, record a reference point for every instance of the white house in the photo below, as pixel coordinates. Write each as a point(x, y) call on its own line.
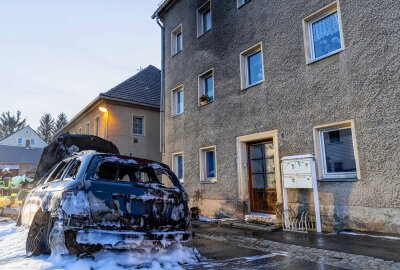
point(24, 137)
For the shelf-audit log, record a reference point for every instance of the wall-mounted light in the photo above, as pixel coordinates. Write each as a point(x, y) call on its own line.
point(105, 110)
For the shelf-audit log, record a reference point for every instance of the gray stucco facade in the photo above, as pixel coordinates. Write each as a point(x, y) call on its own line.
point(360, 84)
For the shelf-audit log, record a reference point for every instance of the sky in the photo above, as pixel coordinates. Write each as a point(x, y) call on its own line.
point(58, 55)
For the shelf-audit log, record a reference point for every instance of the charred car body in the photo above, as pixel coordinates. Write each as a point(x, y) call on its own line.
point(91, 200)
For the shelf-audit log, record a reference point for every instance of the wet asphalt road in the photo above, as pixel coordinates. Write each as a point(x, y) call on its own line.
point(218, 255)
point(387, 249)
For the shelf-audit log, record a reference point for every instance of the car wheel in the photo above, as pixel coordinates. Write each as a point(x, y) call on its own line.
point(37, 241)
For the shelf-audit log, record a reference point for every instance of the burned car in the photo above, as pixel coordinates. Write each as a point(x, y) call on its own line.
point(93, 200)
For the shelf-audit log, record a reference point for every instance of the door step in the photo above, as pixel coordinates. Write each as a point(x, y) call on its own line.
point(266, 227)
point(260, 218)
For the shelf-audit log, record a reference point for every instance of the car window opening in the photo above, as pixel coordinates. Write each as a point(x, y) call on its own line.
point(128, 171)
point(73, 171)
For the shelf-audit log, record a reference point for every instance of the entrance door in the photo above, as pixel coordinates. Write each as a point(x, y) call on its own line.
point(262, 177)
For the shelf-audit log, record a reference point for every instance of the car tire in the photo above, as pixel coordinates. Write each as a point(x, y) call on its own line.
point(38, 235)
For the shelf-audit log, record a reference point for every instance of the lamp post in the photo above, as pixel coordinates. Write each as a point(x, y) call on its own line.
point(105, 110)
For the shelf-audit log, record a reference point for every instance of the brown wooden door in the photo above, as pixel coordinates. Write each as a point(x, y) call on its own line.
point(262, 177)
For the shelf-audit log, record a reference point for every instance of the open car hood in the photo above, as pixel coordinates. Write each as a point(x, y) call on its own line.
point(68, 144)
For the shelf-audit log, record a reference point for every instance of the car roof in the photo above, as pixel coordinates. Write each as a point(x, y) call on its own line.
point(91, 154)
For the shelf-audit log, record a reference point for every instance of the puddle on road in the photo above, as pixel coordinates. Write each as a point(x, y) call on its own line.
point(268, 261)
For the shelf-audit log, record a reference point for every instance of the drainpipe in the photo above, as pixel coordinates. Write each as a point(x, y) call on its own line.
point(162, 99)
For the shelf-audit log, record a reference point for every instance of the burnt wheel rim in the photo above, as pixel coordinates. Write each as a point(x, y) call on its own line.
point(36, 233)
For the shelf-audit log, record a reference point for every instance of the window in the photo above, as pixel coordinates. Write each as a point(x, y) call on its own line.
point(73, 170)
point(241, 2)
point(337, 152)
point(19, 141)
point(88, 128)
point(97, 125)
point(32, 142)
point(80, 130)
point(138, 125)
point(252, 67)
point(206, 88)
point(323, 33)
point(204, 19)
point(178, 101)
point(208, 168)
point(176, 40)
point(58, 171)
point(177, 165)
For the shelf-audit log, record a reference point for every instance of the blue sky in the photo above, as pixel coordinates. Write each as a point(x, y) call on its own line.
point(58, 55)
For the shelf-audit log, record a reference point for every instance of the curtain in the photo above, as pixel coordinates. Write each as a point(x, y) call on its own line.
point(325, 27)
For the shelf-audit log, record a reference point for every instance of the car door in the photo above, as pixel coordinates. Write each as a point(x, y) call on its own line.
point(39, 197)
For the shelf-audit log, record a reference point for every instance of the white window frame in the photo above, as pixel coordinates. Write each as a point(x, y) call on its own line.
point(308, 35)
point(97, 125)
point(32, 141)
point(174, 40)
point(244, 65)
point(201, 85)
point(143, 125)
point(175, 169)
point(200, 24)
point(241, 3)
point(323, 175)
point(174, 100)
point(19, 138)
point(203, 173)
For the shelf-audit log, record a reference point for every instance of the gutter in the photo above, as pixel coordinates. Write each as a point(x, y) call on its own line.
point(129, 102)
point(162, 99)
point(163, 6)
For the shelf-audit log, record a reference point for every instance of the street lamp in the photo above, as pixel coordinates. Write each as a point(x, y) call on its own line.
point(104, 110)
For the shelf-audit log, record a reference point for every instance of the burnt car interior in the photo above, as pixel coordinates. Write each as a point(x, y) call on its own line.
point(115, 170)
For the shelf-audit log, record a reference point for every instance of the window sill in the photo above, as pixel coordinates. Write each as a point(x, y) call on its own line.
point(176, 115)
point(241, 5)
point(176, 53)
point(209, 181)
point(138, 135)
point(205, 104)
point(325, 56)
point(199, 35)
point(253, 85)
point(344, 179)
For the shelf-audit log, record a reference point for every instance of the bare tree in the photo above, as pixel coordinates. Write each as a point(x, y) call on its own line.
point(10, 123)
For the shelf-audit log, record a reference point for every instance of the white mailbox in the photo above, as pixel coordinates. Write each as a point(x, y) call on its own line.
point(298, 172)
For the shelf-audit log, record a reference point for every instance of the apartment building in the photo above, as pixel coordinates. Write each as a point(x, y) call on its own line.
point(247, 82)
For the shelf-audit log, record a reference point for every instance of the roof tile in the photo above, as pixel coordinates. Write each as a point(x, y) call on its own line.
point(143, 88)
point(15, 154)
